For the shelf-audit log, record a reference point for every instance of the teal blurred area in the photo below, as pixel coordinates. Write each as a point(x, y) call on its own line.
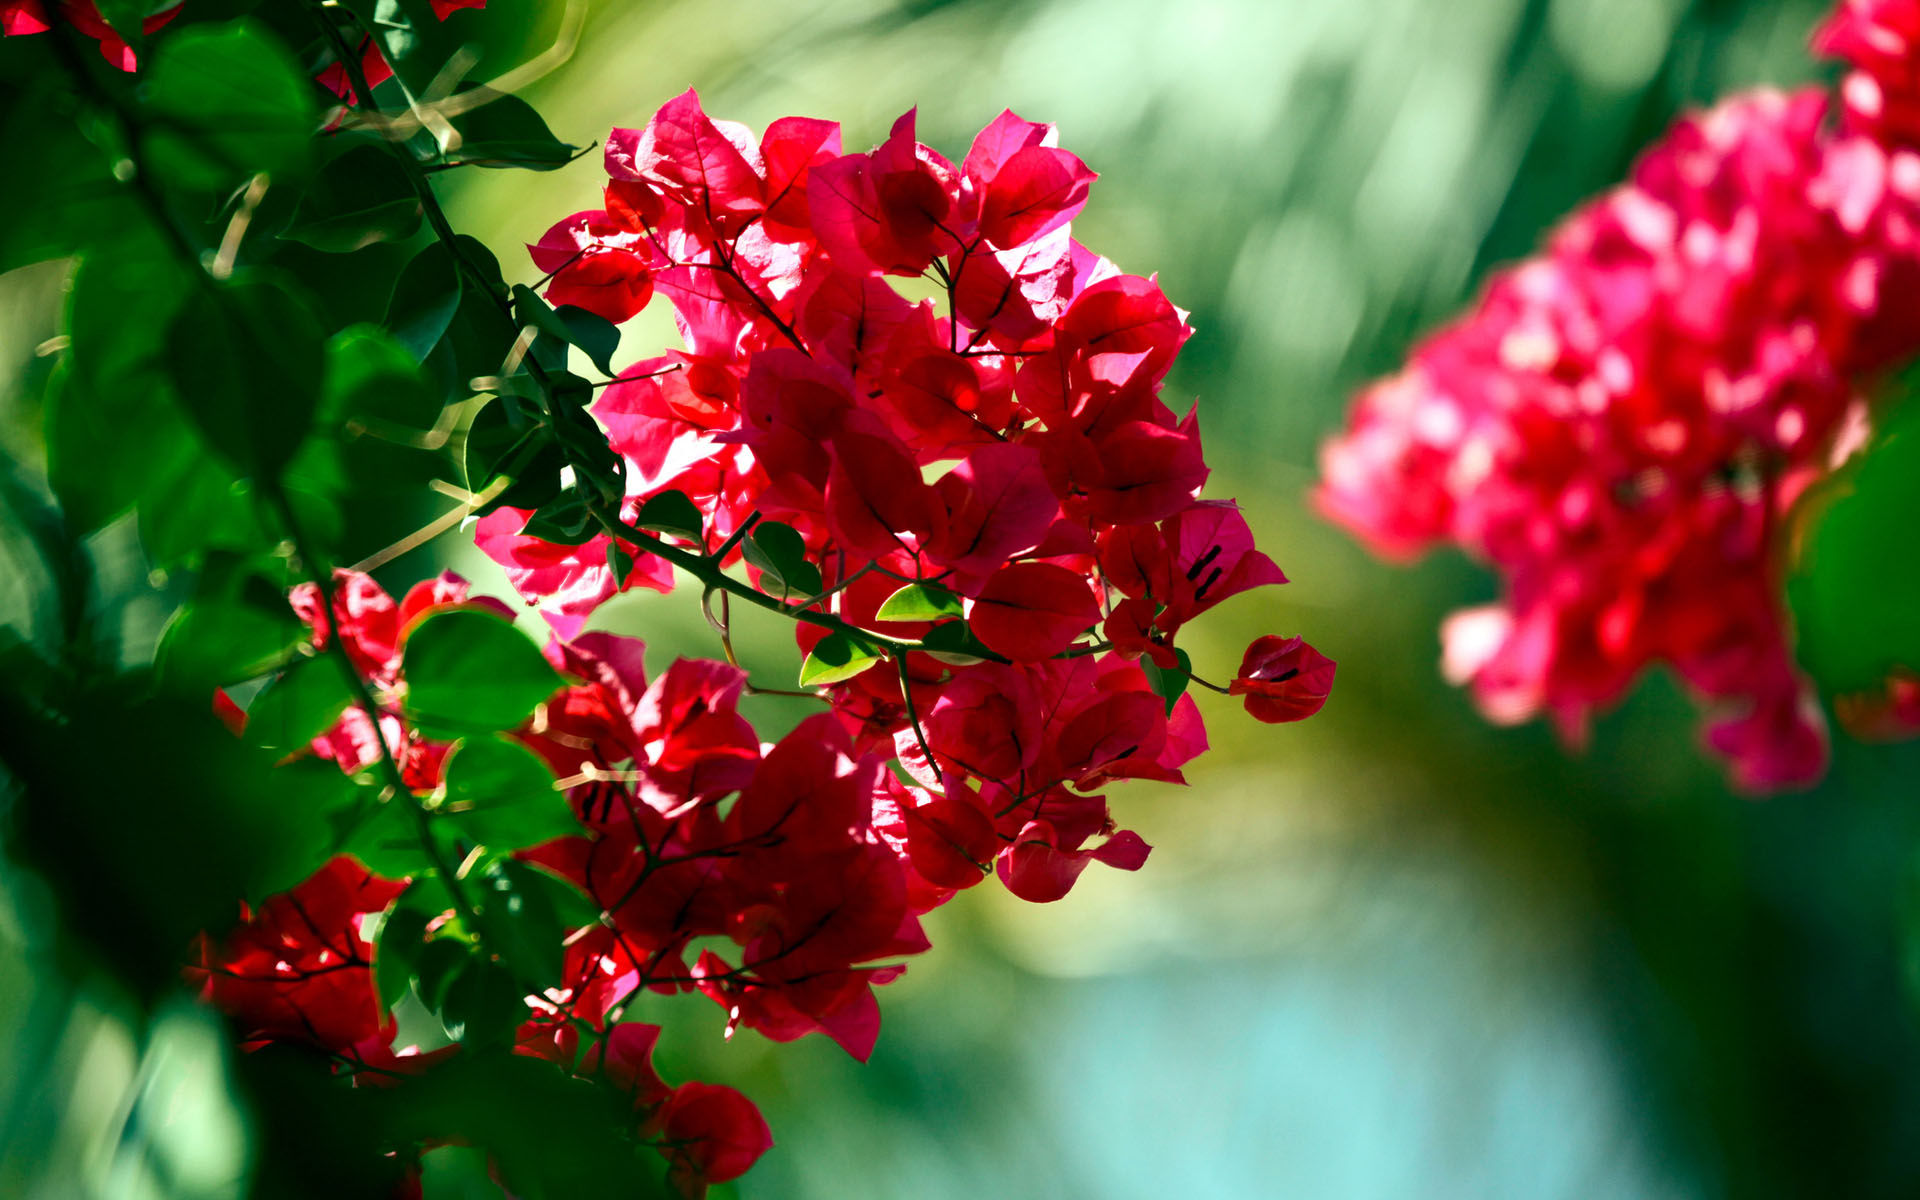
point(1393, 952)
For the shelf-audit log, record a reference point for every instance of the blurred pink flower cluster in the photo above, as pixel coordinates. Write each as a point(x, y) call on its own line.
point(1622, 422)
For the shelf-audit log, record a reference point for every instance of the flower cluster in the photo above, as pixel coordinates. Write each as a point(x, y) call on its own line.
point(1621, 424)
point(984, 521)
point(1004, 445)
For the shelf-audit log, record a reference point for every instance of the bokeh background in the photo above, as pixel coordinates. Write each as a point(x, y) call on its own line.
point(1391, 952)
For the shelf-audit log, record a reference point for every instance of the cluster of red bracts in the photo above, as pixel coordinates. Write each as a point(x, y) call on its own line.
point(1006, 444)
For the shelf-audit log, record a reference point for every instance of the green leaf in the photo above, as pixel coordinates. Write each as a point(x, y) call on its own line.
point(360, 198)
point(308, 796)
point(565, 521)
point(504, 131)
point(114, 429)
point(596, 336)
point(387, 839)
point(74, 199)
point(237, 626)
point(401, 944)
point(501, 795)
point(672, 512)
point(198, 507)
point(954, 644)
point(595, 463)
point(225, 101)
point(483, 1006)
point(1169, 683)
point(440, 962)
point(777, 550)
point(920, 602)
point(300, 705)
point(503, 439)
point(1855, 591)
point(472, 672)
point(370, 377)
point(425, 297)
point(837, 658)
point(619, 561)
point(575, 909)
point(526, 915)
point(246, 359)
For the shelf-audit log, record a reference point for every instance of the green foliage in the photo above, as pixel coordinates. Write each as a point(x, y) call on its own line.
point(672, 512)
point(1169, 683)
point(504, 131)
point(836, 658)
point(920, 602)
point(779, 553)
point(361, 197)
point(501, 795)
point(1855, 589)
point(246, 357)
point(223, 102)
point(237, 627)
point(469, 671)
point(592, 333)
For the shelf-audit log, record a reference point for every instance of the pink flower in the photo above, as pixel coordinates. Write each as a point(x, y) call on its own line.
point(1620, 425)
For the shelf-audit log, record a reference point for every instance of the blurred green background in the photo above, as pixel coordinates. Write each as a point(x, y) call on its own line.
point(1392, 952)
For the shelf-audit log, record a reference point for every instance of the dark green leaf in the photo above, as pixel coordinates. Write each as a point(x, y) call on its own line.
point(398, 949)
point(565, 521)
point(920, 602)
point(225, 101)
point(74, 199)
point(440, 962)
point(387, 840)
point(482, 1006)
point(672, 512)
point(835, 659)
point(114, 429)
point(501, 795)
point(504, 440)
point(1169, 683)
point(237, 626)
point(371, 378)
point(246, 360)
point(619, 561)
point(780, 554)
point(473, 672)
point(425, 298)
point(593, 334)
point(360, 198)
point(197, 507)
point(502, 130)
point(526, 915)
point(308, 797)
point(300, 705)
point(1855, 591)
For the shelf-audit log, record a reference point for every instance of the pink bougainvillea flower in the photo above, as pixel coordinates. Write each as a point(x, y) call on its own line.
point(1622, 423)
point(1283, 679)
point(1031, 611)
